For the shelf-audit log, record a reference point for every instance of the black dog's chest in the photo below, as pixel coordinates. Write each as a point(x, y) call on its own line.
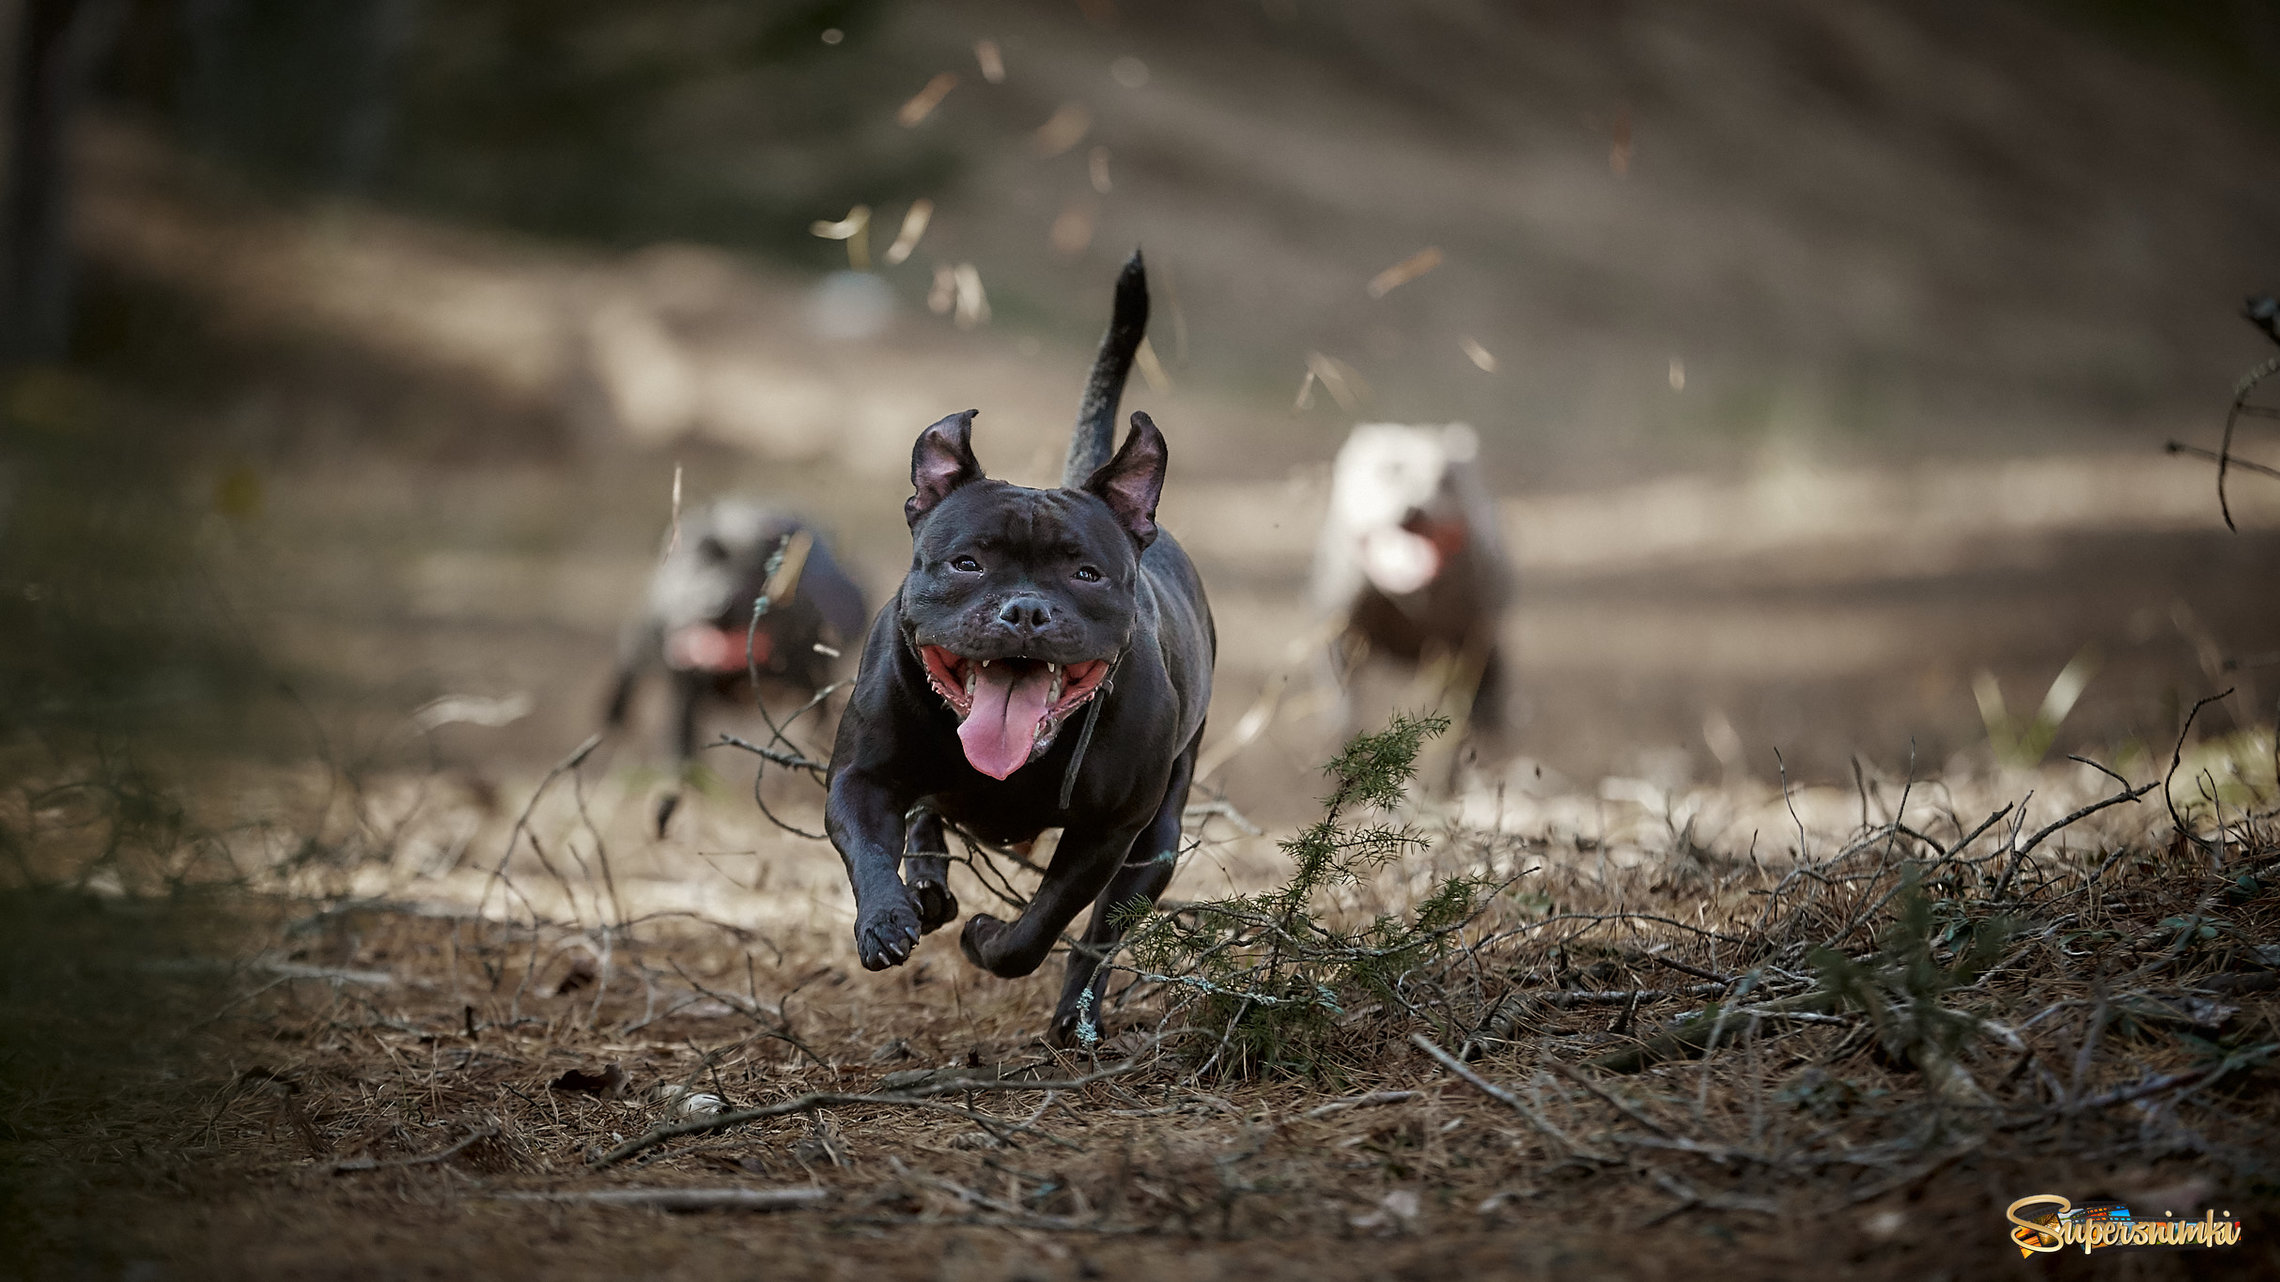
point(996, 827)
point(1003, 812)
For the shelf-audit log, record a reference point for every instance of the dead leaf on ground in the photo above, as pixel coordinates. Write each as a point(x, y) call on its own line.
point(914, 1078)
point(608, 1081)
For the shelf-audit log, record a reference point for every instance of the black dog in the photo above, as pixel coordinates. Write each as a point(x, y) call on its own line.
point(696, 623)
point(1046, 664)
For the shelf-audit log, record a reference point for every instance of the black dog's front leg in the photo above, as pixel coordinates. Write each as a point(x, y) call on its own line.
point(926, 870)
point(1082, 866)
point(1147, 871)
point(865, 820)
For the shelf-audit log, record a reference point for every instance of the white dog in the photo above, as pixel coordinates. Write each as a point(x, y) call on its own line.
point(1410, 564)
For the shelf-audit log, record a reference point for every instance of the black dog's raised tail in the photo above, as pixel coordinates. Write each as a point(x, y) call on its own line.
point(1095, 438)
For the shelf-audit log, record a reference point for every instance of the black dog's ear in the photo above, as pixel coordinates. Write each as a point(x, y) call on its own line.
point(1131, 482)
point(941, 461)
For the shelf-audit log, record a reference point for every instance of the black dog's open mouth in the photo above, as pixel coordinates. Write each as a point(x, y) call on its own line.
point(1009, 709)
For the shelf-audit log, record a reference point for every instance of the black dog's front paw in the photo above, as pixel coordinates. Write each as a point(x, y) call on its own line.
point(975, 940)
point(1063, 1034)
point(937, 907)
point(886, 932)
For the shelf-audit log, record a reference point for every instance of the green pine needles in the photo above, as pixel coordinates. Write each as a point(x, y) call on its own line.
point(1903, 988)
point(1269, 982)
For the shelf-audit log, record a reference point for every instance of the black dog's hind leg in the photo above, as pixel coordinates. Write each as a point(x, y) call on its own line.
point(1147, 870)
point(926, 870)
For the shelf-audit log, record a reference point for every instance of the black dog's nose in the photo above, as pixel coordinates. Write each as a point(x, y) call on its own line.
point(1026, 613)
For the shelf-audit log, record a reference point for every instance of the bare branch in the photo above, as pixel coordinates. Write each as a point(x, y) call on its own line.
point(1506, 1098)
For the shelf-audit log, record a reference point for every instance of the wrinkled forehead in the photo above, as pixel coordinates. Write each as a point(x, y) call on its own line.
point(1015, 518)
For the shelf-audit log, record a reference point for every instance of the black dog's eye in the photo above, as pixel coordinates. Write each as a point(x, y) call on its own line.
point(1087, 574)
point(966, 564)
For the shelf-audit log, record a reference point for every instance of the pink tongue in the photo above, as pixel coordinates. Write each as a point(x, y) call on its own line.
point(1001, 729)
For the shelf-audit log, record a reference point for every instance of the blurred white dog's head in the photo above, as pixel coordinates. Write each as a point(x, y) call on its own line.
point(1402, 500)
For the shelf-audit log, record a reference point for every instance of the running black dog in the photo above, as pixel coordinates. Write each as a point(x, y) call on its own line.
point(1046, 664)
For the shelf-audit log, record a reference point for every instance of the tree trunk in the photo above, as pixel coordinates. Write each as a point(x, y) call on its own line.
point(50, 57)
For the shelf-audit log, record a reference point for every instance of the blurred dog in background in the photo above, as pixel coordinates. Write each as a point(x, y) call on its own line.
point(1410, 566)
point(696, 621)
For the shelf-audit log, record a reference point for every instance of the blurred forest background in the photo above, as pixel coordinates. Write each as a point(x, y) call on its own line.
point(1823, 354)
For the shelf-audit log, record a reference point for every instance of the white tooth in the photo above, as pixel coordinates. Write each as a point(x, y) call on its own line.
point(1053, 668)
point(985, 663)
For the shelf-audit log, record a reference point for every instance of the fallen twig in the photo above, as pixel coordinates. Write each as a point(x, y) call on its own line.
point(2180, 447)
point(1719, 1153)
point(1625, 1107)
point(730, 1199)
point(1506, 1098)
point(918, 1097)
point(789, 760)
point(441, 1155)
point(576, 759)
point(1689, 1198)
point(1361, 1101)
point(2154, 1087)
point(1692, 1036)
point(2019, 856)
point(2177, 757)
point(1565, 998)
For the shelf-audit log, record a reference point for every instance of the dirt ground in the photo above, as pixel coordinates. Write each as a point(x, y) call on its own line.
point(415, 1054)
point(419, 481)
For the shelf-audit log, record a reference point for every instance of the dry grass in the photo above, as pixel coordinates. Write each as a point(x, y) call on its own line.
point(393, 1046)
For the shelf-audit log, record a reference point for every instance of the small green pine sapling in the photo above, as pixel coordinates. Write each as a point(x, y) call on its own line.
point(1904, 986)
point(1268, 977)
